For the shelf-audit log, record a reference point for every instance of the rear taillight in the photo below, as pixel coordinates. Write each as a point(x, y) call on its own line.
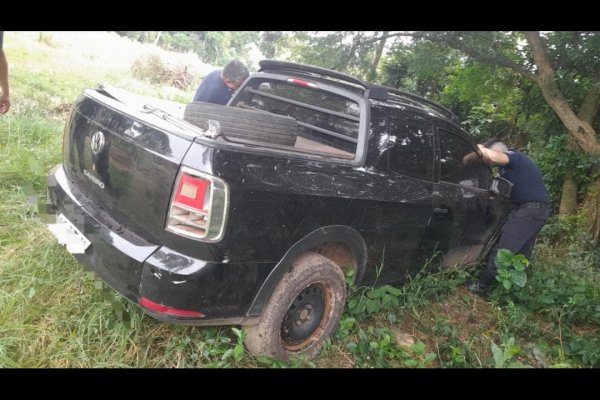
point(199, 204)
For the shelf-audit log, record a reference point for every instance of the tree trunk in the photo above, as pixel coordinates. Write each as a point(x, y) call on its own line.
point(585, 136)
point(157, 38)
point(591, 206)
point(343, 64)
point(579, 126)
point(568, 197)
point(581, 130)
point(377, 58)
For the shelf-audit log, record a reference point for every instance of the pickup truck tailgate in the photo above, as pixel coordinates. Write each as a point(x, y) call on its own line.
point(125, 159)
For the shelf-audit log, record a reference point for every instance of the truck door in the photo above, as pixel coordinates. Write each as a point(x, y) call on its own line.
point(408, 186)
point(464, 211)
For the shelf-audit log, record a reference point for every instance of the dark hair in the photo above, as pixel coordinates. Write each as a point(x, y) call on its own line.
point(236, 71)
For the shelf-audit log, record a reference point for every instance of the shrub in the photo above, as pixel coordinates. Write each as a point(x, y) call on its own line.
point(150, 67)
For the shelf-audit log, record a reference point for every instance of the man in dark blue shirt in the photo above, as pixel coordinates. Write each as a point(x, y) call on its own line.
point(532, 206)
point(218, 86)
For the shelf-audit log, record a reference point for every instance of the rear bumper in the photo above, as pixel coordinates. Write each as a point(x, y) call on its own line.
point(223, 292)
point(116, 260)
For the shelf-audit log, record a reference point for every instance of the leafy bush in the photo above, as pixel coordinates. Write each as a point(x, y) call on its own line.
point(511, 269)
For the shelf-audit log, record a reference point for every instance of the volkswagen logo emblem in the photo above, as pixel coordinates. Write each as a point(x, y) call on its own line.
point(97, 142)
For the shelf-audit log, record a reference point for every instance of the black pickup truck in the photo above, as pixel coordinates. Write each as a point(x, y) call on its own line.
point(250, 213)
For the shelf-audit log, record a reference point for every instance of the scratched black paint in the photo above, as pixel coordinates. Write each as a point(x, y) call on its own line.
point(279, 204)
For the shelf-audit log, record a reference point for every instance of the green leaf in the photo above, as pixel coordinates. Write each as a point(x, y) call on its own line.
point(362, 306)
point(430, 357)
point(518, 265)
point(237, 332)
point(418, 347)
point(362, 335)
point(376, 293)
point(512, 350)
point(502, 273)
point(546, 299)
point(498, 355)
point(393, 291)
point(226, 354)
point(388, 301)
point(507, 284)
point(504, 258)
point(522, 259)
point(578, 298)
point(519, 278)
point(385, 342)
point(373, 306)
point(238, 351)
point(347, 322)
point(410, 363)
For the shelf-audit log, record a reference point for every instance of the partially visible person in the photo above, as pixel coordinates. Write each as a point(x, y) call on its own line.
point(218, 86)
point(4, 93)
point(528, 217)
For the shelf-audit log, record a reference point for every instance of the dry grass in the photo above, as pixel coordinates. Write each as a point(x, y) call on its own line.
point(152, 68)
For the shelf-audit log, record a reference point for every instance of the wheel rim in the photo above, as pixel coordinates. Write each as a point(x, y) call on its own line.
point(306, 317)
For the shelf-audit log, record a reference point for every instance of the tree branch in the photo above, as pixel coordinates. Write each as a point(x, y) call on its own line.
point(455, 44)
point(542, 62)
point(581, 130)
point(377, 57)
point(356, 41)
point(389, 35)
point(591, 101)
point(497, 59)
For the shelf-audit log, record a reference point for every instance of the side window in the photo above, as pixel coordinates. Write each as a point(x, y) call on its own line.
point(411, 148)
point(455, 169)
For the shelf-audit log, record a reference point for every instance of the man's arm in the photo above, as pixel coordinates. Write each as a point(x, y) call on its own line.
point(4, 93)
point(470, 158)
point(493, 157)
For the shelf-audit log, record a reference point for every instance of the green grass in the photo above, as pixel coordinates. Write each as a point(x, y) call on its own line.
point(53, 314)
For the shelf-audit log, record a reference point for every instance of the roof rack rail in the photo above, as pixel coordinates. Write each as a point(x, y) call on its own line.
point(274, 64)
point(376, 92)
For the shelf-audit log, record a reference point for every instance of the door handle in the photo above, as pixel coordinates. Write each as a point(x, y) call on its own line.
point(438, 210)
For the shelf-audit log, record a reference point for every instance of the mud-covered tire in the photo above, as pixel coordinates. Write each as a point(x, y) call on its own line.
point(242, 125)
point(303, 311)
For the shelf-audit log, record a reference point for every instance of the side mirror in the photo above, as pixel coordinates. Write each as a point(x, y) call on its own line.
point(501, 186)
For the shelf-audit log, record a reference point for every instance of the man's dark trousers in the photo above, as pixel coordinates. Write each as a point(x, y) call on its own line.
point(518, 235)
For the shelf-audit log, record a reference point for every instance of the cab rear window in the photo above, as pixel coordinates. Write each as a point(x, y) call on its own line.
point(326, 120)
